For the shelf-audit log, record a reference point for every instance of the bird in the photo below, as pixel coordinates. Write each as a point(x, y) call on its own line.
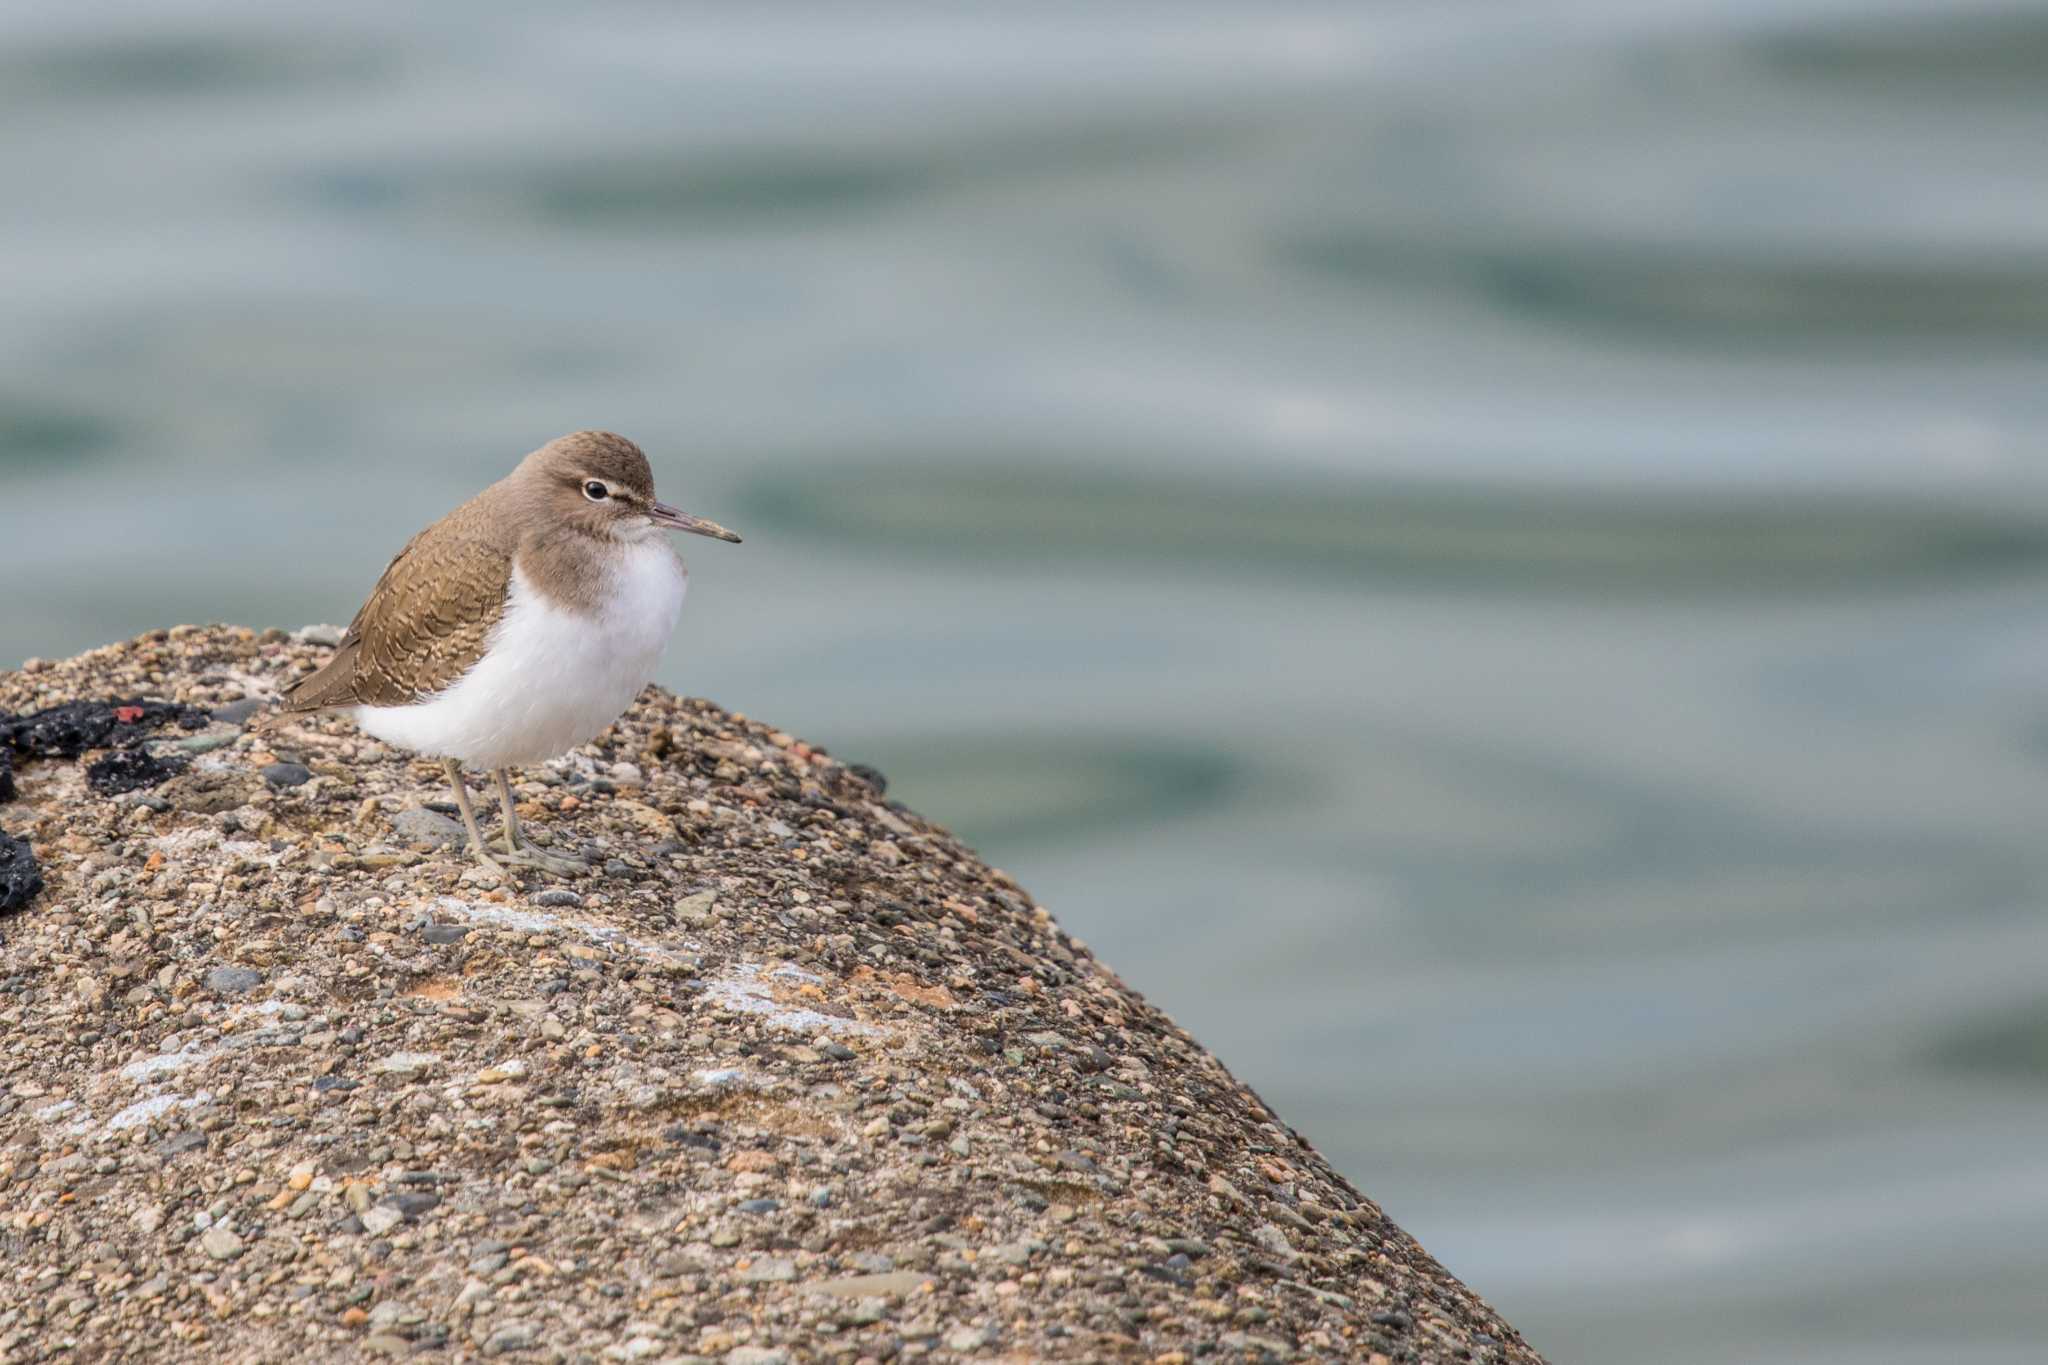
point(518, 626)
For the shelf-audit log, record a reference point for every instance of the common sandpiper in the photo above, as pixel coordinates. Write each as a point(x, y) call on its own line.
point(519, 625)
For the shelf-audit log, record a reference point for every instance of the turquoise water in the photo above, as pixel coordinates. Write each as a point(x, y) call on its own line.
point(1491, 559)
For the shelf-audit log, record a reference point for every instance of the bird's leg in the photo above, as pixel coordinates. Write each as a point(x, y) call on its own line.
point(517, 851)
point(512, 844)
point(476, 835)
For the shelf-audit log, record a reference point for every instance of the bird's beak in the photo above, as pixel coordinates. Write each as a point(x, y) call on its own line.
point(670, 519)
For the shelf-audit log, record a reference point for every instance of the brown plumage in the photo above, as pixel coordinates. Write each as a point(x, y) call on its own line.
point(429, 617)
point(425, 623)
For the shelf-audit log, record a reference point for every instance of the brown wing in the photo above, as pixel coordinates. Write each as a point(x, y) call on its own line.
point(424, 626)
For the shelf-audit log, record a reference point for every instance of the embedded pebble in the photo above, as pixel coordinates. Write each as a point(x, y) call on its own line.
point(511, 1336)
point(381, 1219)
point(287, 774)
point(425, 828)
point(233, 980)
point(894, 1283)
point(220, 1243)
point(238, 712)
point(406, 1063)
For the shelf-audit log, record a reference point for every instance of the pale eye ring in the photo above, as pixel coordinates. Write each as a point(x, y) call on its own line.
point(596, 491)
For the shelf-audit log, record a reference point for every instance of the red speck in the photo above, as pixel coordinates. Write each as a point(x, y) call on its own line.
point(127, 715)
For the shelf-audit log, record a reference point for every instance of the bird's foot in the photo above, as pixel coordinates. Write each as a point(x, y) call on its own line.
point(525, 855)
point(487, 864)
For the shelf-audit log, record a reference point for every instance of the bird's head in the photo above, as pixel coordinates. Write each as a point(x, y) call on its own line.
point(600, 484)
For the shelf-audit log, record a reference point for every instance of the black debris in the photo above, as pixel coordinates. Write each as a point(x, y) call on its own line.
point(127, 770)
point(70, 728)
point(20, 878)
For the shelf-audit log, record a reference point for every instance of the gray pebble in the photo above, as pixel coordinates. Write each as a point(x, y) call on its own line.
point(1273, 1240)
point(556, 898)
point(444, 934)
point(238, 712)
point(287, 774)
point(381, 1220)
point(515, 1336)
point(428, 829)
point(1264, 1347)
point(221, 1243)
point(191, 1140)
point(413, 1205)
point(233, 980)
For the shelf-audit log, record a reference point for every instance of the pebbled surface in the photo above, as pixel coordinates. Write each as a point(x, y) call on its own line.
point(796, 1078)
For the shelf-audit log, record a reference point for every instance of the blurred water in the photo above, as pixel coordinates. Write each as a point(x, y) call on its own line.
point(1490, 558)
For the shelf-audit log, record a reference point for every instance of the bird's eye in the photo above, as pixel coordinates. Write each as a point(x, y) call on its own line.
point(596, 491)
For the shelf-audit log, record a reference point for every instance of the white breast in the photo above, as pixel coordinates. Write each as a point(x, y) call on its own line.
point(550, 678)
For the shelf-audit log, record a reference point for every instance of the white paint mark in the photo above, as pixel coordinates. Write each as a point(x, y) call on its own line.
point(165, 1062)
point(744, 989)
point(406, 1063)
point(731, 1075)
point(146, 1111)
point(541, 922)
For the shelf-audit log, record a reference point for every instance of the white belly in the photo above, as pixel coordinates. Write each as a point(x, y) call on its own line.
point(550, 678)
